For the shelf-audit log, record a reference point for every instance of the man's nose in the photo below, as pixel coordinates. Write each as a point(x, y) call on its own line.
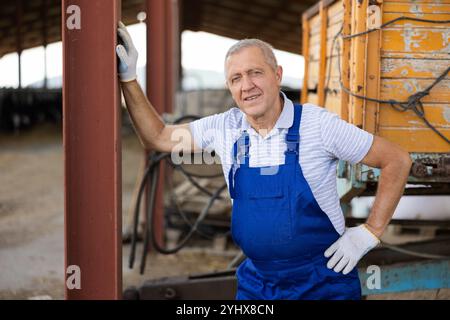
point(247, 83)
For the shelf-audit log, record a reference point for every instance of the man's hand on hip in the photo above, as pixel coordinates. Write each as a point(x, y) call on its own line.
point(350, 248)
point(127, 54)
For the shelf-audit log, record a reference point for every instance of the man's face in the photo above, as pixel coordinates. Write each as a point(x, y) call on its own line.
point(253, 83)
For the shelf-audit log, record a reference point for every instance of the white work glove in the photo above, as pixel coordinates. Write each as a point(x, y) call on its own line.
point(127, 54)
point(350, 248)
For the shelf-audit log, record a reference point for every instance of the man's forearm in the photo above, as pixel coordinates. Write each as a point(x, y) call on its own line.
point(146, 120)
point(390, 189)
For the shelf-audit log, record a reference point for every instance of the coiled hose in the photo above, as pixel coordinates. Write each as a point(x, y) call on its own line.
point(151, 175)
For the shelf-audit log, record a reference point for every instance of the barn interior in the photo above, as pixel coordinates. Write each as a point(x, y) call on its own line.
point(38, 221)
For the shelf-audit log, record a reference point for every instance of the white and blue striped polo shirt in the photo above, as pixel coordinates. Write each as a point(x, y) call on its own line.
point(324, 139)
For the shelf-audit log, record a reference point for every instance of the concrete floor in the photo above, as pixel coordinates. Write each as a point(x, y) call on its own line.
point(32, 220)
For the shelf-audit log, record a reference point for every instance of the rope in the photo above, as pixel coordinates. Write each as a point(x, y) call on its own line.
point(414, 102)
point(391, 22)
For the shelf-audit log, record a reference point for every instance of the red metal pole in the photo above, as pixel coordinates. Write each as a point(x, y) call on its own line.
point(92, 150)
point(161, 77)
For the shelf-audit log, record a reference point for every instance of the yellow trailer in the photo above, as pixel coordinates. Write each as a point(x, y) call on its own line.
point(383, 66)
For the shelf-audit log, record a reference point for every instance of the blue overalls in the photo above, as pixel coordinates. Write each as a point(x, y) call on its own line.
point(281, 229)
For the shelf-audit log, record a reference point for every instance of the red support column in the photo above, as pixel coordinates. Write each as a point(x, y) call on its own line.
point(162, 44)
point(92, 150)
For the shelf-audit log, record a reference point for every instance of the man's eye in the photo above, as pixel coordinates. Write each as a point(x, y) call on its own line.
point(234, 79)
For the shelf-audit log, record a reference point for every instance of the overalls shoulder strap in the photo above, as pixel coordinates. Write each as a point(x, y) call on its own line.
point(293, 136)
point(241, 149)
point(241, 156)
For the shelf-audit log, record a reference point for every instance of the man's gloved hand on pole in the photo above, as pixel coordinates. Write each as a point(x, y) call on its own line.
point(127, 54)
point(350, 248)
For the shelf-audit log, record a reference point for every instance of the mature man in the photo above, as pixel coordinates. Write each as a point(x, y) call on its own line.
point(279, 160)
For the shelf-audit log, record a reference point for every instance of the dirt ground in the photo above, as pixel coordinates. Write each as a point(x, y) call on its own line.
point(32, 220)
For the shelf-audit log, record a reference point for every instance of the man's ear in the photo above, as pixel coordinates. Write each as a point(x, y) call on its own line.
point(279, 74)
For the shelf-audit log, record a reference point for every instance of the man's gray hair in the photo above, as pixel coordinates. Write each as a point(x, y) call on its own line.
point(266, 49)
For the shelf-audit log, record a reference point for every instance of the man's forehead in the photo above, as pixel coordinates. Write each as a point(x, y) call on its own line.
point(243, 62)
point(253, 50)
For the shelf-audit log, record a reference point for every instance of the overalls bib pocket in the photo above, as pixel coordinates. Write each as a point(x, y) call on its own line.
point(269, 217)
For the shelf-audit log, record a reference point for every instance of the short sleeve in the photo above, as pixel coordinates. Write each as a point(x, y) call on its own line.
point(205, 130)
point(343, 140)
